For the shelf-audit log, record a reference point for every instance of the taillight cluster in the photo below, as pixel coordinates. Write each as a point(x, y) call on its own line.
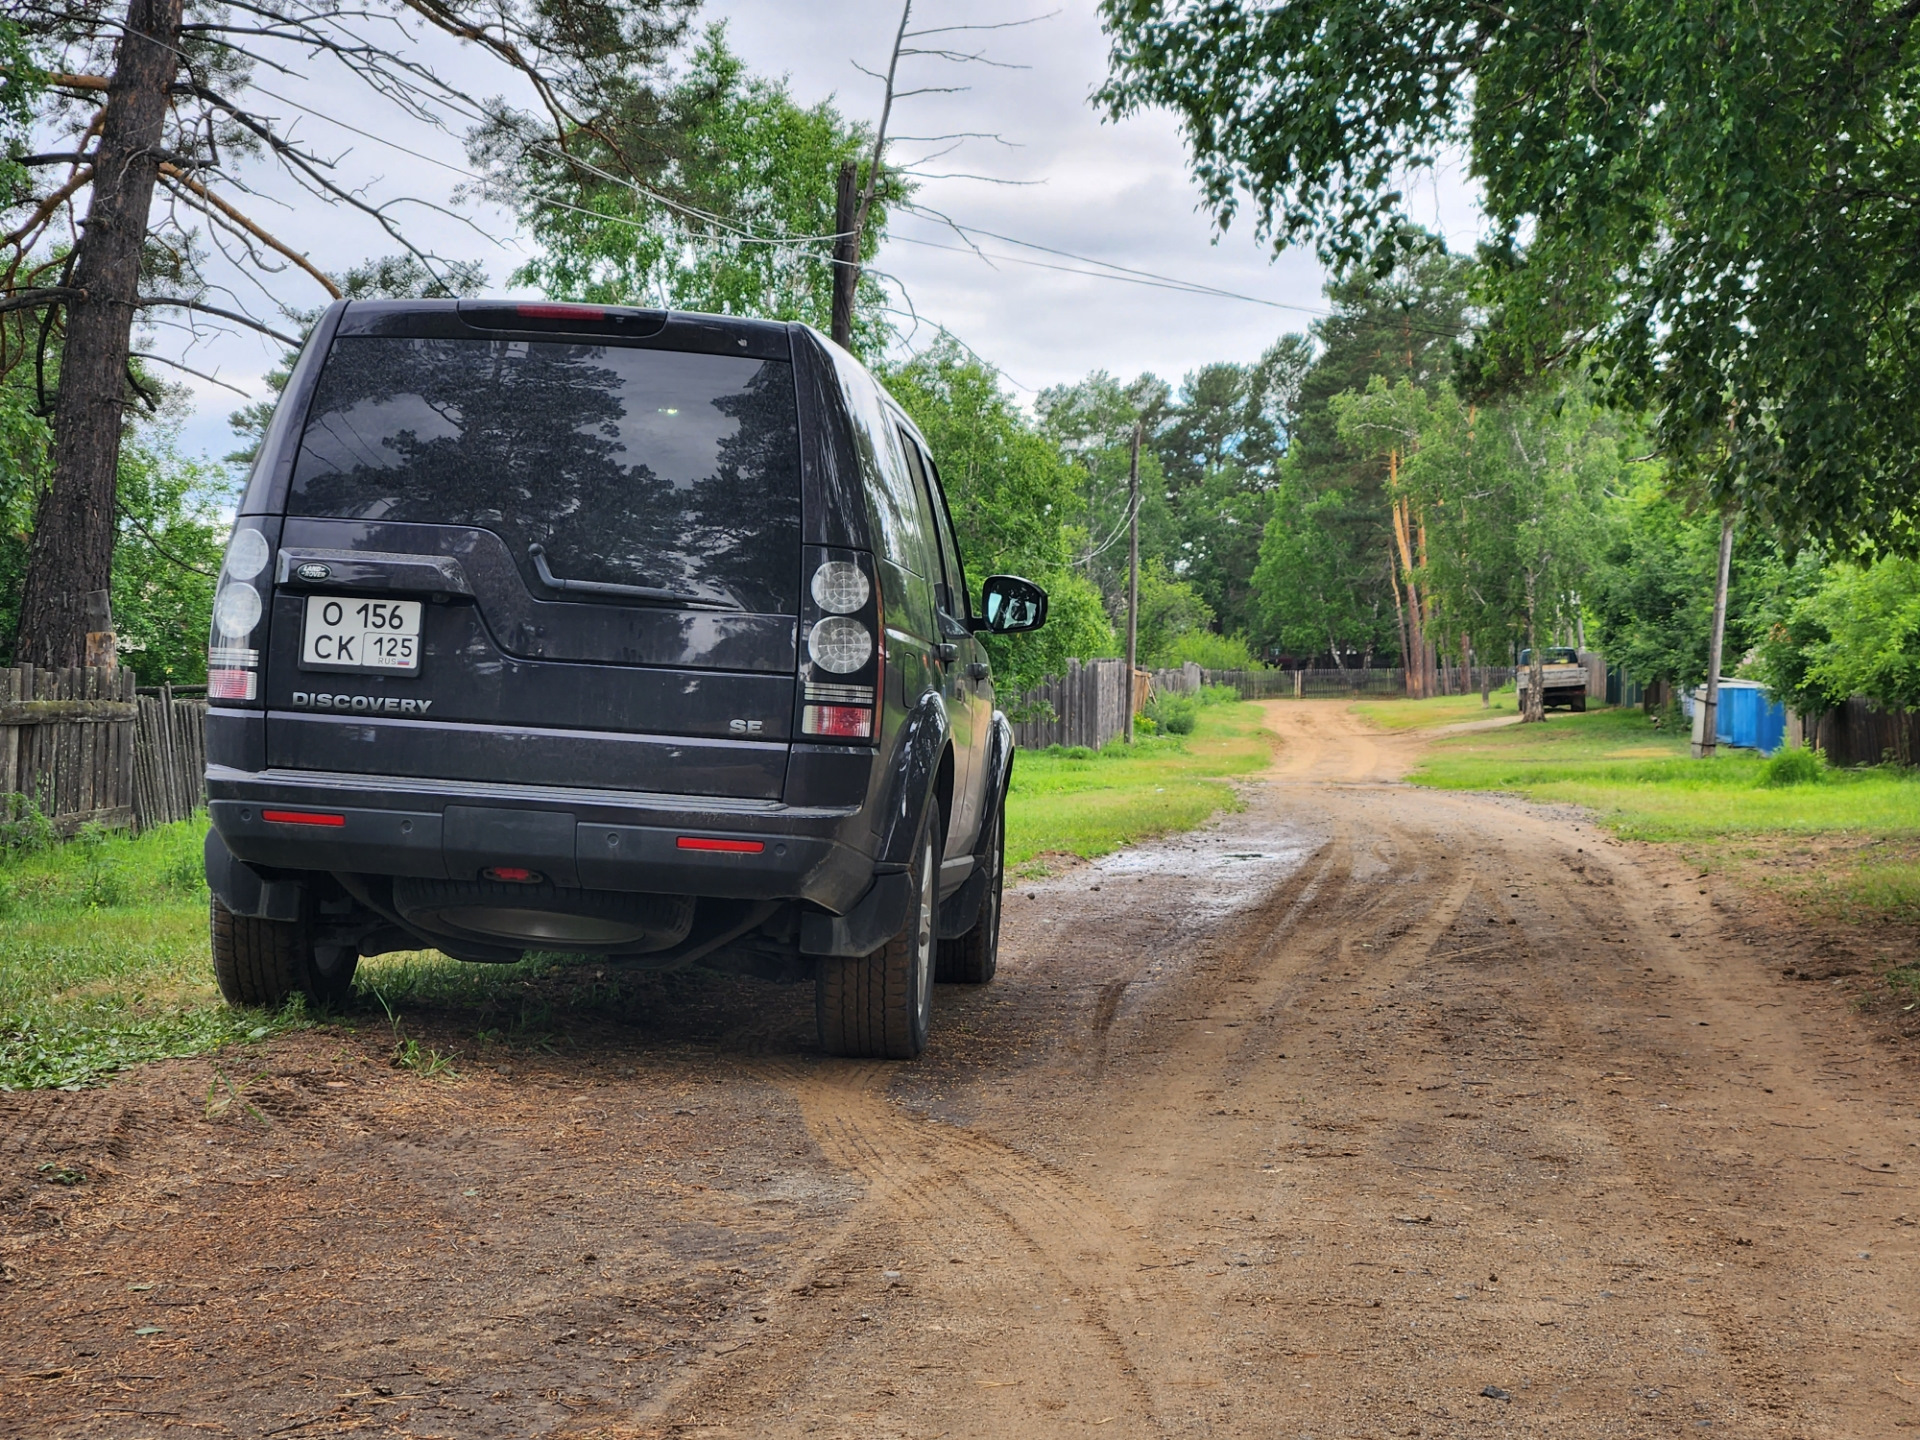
point(239, 607)
point(842, 646)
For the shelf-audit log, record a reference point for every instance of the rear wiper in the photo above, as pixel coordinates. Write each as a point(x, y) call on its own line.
point(649, 593)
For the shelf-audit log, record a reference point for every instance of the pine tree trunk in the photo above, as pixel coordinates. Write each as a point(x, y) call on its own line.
point(72, 554)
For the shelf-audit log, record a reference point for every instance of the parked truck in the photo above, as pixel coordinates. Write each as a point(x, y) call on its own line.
point(1563, 679)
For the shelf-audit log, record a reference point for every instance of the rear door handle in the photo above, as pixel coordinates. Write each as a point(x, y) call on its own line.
point(946, 651)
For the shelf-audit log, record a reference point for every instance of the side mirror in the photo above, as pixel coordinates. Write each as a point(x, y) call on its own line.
point(1010, 605)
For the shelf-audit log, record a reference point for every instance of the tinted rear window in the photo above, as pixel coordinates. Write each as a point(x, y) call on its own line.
point(635, 467)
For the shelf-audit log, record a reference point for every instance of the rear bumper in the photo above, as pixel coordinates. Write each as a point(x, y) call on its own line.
point(584, 839)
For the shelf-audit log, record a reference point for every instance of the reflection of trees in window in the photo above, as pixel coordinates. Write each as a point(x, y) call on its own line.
point(525, 439)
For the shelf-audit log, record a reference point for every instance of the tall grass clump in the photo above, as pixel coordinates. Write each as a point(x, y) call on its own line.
point(1793, 765)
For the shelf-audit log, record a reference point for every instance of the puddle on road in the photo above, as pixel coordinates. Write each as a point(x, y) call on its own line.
point(1220, 870)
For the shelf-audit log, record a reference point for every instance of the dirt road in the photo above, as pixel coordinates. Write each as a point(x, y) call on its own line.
point(1368, 1111)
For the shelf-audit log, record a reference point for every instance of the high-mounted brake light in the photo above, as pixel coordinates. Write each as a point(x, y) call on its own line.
point(561, 312)
point(302, 817)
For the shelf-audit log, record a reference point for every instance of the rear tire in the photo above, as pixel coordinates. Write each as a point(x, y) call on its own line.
point(878, 1006)
point(1580, 706)
point(265, 963)
point(974, 956)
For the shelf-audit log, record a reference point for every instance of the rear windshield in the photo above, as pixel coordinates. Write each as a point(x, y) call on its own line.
point(1552, 657)
point(633, 467)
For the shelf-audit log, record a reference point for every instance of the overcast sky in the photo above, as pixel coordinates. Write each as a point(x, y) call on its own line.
point(1117, 193)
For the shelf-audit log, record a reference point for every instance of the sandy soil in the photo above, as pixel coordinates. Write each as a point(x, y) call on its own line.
point(1369, 1111)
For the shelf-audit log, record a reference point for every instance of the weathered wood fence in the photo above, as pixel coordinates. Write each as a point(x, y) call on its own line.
point(1187, 680)
point(169, 757)
point(82, 744)
point(1861, 733)
point(1086, 706)
point(1321, 683)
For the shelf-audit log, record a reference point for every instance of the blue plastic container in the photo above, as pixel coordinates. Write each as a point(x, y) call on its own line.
point(1749, 717)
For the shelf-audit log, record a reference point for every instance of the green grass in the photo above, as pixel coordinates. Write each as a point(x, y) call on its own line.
point(1089, 803)
point(1441, 710)
point(1641, 784)
point(103, 960)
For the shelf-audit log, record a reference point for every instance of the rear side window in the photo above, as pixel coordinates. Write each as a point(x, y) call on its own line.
point(634, 467)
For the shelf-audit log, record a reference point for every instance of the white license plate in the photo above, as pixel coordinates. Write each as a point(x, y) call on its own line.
point(353, 634)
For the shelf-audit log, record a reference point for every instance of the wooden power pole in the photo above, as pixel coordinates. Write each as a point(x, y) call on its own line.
point(846, 252)
point(1133, 568)
point(1710, 722)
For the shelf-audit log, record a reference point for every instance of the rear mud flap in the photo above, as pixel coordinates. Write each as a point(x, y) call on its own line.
point(876, 919)
point(244, 890)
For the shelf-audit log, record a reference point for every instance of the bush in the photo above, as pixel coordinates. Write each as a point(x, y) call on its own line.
point(1219, 695)
point(1207, 650)
point(1795, 765)
point(1175, 714)
point(23, 829)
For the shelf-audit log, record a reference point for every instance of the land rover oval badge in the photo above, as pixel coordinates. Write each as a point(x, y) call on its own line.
point(313, 570)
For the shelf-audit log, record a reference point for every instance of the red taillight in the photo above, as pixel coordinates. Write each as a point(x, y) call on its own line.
point(838, 722)
point(726, 847)
point(301, 817)
point(511, 874)
point(561, 312)
point(232, 684)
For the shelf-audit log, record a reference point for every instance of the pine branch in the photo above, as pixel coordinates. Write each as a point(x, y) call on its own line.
point(175, 176)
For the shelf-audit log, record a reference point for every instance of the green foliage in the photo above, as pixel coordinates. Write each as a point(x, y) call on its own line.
point(1220, 445)
point(1174, 713)
point(1016, 507)
point(1792, 765)
point(24, 830)
point(166, 557)
point(1323, 580)
point(167, 544)
point(25, 456)
point(1091, 423)
point(1170, 611)
point(1713, 201)
point(1210, 651)
point(743, 158)
point(1651, 596)
point(1506, 498)
point(1844, 630)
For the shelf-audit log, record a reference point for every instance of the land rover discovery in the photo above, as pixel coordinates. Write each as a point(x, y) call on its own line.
point(620, 632)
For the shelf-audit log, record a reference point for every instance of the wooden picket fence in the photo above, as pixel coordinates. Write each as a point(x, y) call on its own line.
point(83, 745)
point(169, 757)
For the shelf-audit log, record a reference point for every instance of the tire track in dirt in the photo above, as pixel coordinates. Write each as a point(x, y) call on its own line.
point(945, 1204)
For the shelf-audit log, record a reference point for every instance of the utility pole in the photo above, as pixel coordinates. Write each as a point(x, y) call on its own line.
point(1133, 568)
point(1704, 748)
point(846, 252)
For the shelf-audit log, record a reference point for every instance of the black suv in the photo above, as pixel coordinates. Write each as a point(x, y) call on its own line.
point(623, 632)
